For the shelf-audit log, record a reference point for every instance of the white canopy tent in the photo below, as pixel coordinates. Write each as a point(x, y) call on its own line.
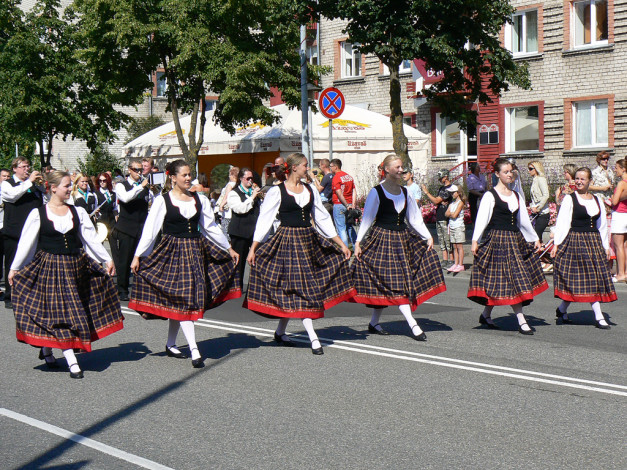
point(361, 138)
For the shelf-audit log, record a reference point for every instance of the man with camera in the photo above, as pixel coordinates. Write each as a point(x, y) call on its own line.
point(325, 187)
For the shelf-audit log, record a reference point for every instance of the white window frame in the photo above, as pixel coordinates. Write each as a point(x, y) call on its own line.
point(355, 58)
point(593, 23)
point(594, 143)
point(405, 67)
point(312, 52)
point(509, 131)
point(463, 142)
point(160, 82)
point(509, 33)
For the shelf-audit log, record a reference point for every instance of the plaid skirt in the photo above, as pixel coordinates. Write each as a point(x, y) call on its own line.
point(396, 268)
point(506, 271)
point(298, 274)
point(581, 272)
point(184, 277)
point(65, 301)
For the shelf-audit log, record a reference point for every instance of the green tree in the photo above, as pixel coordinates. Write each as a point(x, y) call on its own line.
point(139, 126)
point(98, 161)
point(234, 49)
point(459, 38)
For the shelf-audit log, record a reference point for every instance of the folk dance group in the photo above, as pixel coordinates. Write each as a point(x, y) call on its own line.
point(184, 265)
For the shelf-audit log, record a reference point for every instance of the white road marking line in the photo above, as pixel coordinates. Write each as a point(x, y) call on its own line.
point(428, 359)
point(99, 446)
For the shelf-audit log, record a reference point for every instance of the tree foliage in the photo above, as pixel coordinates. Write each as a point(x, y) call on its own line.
point(98, 161)
point(139, 126)
point(459, 38)
point(234, 49)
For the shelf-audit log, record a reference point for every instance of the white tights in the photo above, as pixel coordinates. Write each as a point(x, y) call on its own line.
point(517, 310)
point(596, 308)
point(189, 333)
point(405, 310)
point(307, 323)
point(70, 357)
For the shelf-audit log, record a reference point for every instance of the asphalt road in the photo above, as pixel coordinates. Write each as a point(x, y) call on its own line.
point(467, 398)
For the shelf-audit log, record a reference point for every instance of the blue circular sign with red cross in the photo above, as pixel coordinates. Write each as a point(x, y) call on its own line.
point(331, 103)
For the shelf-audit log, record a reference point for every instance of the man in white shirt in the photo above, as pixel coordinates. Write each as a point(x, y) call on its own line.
point(412, 187)
point(4, 175)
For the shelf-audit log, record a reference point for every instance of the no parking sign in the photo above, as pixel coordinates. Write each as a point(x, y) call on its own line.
point(331, 103)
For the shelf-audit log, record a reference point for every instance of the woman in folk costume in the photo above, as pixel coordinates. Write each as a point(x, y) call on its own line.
point(61, 296)
point(82, 194)
point(581, 251)
point(191, 270)
point(397, 264)
point(297, 273)
point(506, 270)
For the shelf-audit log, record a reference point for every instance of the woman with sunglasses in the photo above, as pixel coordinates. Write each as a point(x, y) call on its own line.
point(539, 197)
point(602, 177)
point(192, 268)
point(106, 201)
point(581, 251)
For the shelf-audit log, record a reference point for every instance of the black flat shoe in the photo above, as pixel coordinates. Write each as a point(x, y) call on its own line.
point(318, 351)
point(560, 316)
point(283, 342)
point(373, 329)
point(76, 375)
point(178, 355)
point(124, 297)
point(8, 305)
point(198, 363)
point(525, 332)
point(485, 322)
point(421, 337)
point(597, 323)
point(51, 364)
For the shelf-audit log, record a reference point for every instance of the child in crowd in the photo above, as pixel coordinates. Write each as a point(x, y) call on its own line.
point(457, 229)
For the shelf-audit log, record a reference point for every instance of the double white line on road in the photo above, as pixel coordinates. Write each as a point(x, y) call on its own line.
point(484, 368)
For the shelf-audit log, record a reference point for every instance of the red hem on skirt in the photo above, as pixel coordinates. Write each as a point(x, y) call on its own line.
point(603, 298)
point(70, 344)
point(234, 293)
point(508, 300)
point(164, 312)
point(266, 309)
point(345, 297)
point(387, 301)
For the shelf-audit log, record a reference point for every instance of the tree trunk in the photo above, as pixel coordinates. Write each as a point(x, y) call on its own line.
point(42, 155)
point(396, 117)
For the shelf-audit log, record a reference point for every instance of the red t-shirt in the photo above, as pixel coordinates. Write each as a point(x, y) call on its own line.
point(343, 181)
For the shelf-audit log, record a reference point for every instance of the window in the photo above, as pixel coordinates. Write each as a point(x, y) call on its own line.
point(312, 55)
point(161, 84)
point(590, 123)
point(522, 129)
point(405, 67)
point(351, 60)
point(523, 33)
point(210, 105)
point(590, 23)
point(452, 140)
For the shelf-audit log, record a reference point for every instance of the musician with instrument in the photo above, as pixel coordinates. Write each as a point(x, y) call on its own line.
point(107, 208)
point(133, 196)
point(20, 194)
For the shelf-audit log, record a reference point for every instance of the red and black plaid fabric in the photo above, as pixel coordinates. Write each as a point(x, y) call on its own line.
point(396, 268)
point(65, 301)
point(580, 271)
point(184, 277)
point(298, 274)
point(506, 271)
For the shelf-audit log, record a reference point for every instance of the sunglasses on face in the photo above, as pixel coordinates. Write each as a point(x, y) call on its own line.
point(604, 159)
point(103, 181)
point(136, 170)
point(531, 168)
point(249, 178)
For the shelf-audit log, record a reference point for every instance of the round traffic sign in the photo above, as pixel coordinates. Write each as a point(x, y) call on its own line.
point(331, 103)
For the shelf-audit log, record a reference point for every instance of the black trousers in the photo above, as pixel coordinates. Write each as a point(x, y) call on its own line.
point(241, 246)
point(123, 248)
point(10, 248)
point(541, 222)
point(473, 203)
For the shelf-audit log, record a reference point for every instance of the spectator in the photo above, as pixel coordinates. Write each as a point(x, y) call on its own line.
point(4, 175)
point(325, 187)
point(539, 197)
point(200, 184)
point(477, 186)
point(344, 194)
point(224, 211)
point(569, 187)
point(457, 229)
point(412, 187)
point(602, 177)
point(619, 221)
point(118, 177)
point(147, 164)
point(441, 201)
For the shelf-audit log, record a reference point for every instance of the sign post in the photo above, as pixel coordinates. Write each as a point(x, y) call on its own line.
point(331, 104)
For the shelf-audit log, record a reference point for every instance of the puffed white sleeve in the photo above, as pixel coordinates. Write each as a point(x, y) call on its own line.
point(414, 217)
point(89, 237)
point(524, 223)
point(267, 213)
point(13, 193)
point(154, 223)
point(371, 206)
point(321, 216)
point(602, 225)
point(563, 221)
point(27, 246)
point(208, 226)
point(484, 214)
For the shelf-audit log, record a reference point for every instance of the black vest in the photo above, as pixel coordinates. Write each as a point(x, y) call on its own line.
point(582, 221)
point(15, 213)
point(88, 204)
point(502, 217)
point(133, 213)
point(178, 226)
point(387, 217)
point(55, 242)
point(290, 213)
point(243, 225)
point(106, 210)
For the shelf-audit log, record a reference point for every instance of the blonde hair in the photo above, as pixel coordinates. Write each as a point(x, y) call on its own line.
point(387, 161)
point(539, 167)
point(75, 183)
point(292, 160)
point(55, 177)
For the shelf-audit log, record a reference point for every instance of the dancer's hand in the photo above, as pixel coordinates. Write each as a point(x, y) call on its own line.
point(11, 276)
point(553, 251)
point(234, 255)
point(358, 250)
point(110, 268)
point(474, 247)
point(430, 243)
point(538, 246)
point(135, 265)
point(346, 251)
point(607, 253)
point(250, 259)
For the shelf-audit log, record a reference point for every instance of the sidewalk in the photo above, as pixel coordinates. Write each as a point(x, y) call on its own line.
point(468, 258)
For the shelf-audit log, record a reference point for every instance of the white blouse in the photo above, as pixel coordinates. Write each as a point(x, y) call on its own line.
point(485, 214)
point(565, 217)
point(413, 214)
point(270, 208)
point(156, 216)
point(62, 223)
